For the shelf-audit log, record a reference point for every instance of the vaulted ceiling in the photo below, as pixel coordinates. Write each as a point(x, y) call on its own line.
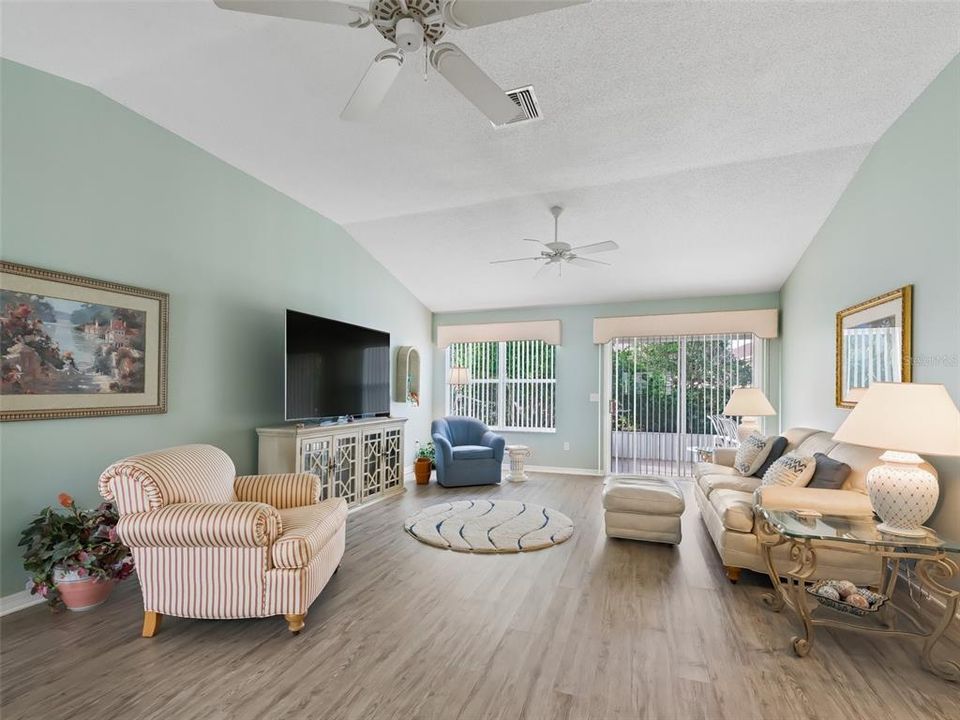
point(710, 140)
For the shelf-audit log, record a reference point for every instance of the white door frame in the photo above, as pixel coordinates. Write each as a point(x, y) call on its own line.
point(605, 417)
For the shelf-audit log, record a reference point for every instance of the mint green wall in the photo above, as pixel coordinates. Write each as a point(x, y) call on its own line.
point(578, 368)
point(91, 188)
point(897, 223)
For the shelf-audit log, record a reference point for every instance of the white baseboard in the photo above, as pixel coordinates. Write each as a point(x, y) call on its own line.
point(593, 472)
point(18, 601)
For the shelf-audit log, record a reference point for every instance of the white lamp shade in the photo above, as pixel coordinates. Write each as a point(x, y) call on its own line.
point(906, 417)
point(749, 402)
point(458, 376)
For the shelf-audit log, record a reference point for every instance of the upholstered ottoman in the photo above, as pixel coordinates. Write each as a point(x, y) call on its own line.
point(642, 507)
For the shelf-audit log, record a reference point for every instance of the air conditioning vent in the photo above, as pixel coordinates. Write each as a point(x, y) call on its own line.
point(526, 100)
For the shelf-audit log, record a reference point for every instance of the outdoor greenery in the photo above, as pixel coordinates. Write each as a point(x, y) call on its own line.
point(647, 384)
point(525, 359)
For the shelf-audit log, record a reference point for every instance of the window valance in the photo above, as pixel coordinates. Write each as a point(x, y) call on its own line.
point(546, 330)
point(762, 323)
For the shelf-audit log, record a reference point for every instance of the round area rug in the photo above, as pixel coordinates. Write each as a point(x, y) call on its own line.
point(489, 526)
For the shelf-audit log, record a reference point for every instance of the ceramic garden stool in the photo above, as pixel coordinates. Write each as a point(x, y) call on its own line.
point(518, 456)
point(642, 507)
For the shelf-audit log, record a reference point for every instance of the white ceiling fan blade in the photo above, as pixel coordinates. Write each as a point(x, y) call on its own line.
point(585, 262)
point(595, 248)
point(473, 13)
point(543, 269)
point(539, 242)
point(324, 11)
point(500, 262)
point(374, 86)
point(473, 83)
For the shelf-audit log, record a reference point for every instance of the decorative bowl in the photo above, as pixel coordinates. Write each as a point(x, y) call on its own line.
point(875, 600)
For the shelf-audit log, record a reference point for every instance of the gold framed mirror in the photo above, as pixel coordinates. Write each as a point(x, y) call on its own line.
point(873, 344)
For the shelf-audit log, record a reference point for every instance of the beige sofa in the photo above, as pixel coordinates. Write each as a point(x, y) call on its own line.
point(726, 502)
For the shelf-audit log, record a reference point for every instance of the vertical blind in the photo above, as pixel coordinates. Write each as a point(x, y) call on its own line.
point(512, 384)
point(665, 389)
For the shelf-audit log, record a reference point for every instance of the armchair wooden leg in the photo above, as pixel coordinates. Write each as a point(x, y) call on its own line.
point(295, 622)
point(151, 623)
point(733, 573)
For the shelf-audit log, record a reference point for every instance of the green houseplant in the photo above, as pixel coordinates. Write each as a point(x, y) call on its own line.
point(74, 558)
point(426, 454)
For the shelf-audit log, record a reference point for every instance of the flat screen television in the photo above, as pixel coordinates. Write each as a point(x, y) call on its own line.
point(334, 369)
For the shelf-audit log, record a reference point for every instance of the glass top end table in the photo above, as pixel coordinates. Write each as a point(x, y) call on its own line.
point(805, 533)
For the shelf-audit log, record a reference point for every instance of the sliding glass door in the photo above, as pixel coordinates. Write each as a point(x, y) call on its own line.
point(663, 391)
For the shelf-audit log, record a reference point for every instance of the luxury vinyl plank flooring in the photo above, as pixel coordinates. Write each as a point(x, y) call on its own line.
point(592, 628)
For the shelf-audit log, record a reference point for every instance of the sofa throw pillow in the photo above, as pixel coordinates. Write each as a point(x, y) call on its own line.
point(791, 470)
point(751, 453)
point(829, 474)
point(776, 450)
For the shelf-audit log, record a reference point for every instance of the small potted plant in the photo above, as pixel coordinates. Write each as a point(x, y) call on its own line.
point(424, 463)
point(75, 558)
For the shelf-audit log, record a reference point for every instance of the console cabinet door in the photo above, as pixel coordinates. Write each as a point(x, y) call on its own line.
point(315, 457)
point(392, 457)
point(372, 466)
point(345, 482)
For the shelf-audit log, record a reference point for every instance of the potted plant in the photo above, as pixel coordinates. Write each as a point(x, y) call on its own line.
point(424, 463)
point(75, 558)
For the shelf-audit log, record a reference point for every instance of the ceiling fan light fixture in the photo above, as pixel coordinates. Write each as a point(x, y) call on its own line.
point(560, 253)
point(411, 25)
point(409, 35)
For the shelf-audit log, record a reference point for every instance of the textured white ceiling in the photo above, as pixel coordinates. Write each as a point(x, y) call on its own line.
point(697, 135)
point(737, 228)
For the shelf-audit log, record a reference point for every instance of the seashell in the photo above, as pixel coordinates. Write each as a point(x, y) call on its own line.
point(846, 588)
point(828, 591)
point(858, 600)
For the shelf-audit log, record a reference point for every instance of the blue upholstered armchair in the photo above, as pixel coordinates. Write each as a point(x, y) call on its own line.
point(467, 452)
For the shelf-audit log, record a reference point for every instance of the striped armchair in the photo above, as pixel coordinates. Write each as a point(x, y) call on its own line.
point(209, 544)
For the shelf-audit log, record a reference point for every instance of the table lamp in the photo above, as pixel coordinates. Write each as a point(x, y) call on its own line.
point(748, 403)
point(458, 377)
point(904, 419)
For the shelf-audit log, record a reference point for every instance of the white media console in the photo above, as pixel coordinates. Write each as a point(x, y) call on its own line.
point(358, 461)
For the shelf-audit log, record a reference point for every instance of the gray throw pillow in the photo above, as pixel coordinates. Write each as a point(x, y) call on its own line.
point(830, 474)
point(776, 450)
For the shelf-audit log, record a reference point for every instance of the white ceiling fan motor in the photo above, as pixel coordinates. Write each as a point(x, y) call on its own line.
point(409, 34)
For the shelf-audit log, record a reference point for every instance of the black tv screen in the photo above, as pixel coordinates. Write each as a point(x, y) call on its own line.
point(335, 369)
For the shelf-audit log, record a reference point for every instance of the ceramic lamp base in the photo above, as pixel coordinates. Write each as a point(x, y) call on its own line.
point(748, 426)
point(902, 493)
point(903, 532)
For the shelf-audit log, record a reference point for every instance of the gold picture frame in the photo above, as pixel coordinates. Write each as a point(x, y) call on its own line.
point(873, 344)
point(74, 346)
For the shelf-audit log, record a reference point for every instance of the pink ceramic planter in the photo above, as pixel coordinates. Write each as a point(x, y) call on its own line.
point(84, 593)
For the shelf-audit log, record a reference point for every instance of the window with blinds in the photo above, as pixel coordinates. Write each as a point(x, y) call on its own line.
point(513, 384)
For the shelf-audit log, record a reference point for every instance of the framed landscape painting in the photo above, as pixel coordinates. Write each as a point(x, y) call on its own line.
point(72, 346)
point(873, 344)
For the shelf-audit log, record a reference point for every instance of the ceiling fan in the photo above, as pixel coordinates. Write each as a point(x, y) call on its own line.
point(557, 253)
point(412, 25)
